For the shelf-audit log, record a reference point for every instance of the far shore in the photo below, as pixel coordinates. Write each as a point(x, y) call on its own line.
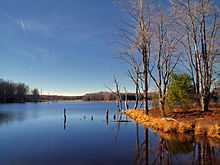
point(77, 101)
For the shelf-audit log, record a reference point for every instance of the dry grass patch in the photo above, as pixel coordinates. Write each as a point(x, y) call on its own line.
point(177, 125)
point(185, 127)
point(199, 130)
point(214, 131)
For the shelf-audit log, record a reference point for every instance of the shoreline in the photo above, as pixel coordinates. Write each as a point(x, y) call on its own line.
point(198, 126)
point(71, 101)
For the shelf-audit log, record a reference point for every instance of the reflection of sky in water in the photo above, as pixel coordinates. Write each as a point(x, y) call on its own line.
point(34, 134)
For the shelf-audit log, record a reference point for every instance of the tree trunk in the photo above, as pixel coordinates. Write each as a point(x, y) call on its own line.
point(126, 100)
point(162, 104)
point(146, 93)
point(162, 107)
point(137, 96)
point(197, 81)
point(145, 82)
point(205, 103)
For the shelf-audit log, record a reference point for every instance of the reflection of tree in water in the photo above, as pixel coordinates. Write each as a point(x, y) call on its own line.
point(141, 153)
point(118, 118)
point(204, 153)
point(118, 115)
point(6, 117)
point(167, 151)
point(137, 153)
point(162, 154)
point(177, 147)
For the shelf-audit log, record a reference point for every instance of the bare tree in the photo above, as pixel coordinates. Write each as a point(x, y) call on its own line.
point(191, 65)
point(126, 99)
point(135, 77)
point(117, 93)
point(139, 40)
point(134, 73)
point(200, 21)
point(143, 44)
point(164, 56)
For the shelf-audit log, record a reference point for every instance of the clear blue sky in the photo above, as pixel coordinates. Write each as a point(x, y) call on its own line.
point(62, 46)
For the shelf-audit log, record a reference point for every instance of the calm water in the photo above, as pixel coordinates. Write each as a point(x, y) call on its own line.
point(38, 134)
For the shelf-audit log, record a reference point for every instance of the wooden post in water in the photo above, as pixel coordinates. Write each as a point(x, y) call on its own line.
point(106, 116)
point(114, 117)
point(64, 114)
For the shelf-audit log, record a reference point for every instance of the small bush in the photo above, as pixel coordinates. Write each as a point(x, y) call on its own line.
point(180, 92)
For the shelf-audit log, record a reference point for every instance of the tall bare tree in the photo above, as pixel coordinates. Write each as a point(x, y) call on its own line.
point(164, 56)
point(134, 73)
point(200, 20)
point(139, 39)
point(144, 44)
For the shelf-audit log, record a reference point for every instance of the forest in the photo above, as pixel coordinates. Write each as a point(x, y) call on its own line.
point(11, 92)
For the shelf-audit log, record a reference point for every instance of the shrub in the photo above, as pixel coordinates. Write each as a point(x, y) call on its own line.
point(180, 92)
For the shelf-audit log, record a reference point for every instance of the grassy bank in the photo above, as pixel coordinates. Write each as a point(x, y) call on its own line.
point(203, 125)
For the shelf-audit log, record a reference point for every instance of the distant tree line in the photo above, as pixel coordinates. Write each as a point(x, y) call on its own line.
point(99, 96)
point(57, 98)
point(108, 96)
point(11, 92)
point(105, 96)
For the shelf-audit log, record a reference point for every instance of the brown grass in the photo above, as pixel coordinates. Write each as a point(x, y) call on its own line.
point(184, 125)
point(199, 130)
point(214, 131)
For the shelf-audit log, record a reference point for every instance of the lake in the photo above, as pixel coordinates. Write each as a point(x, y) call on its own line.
point(40, 134)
